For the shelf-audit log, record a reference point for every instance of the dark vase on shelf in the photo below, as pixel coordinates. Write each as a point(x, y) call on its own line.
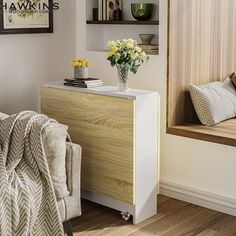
point(142, 11)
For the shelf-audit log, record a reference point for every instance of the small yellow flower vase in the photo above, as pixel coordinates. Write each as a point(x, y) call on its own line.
point(81, 72)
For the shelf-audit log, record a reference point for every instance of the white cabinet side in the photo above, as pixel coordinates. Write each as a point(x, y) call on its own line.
point(146, 156)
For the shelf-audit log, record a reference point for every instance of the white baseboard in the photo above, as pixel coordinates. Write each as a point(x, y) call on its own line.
point(198, 197)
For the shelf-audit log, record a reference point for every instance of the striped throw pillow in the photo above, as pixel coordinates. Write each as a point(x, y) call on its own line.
point(214, 102)
point(233, 79)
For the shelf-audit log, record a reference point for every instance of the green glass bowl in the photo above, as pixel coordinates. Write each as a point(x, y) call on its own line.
point(142, 11)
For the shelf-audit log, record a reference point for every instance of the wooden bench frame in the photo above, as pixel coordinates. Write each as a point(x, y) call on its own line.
point(221, 133)
point(200, 37)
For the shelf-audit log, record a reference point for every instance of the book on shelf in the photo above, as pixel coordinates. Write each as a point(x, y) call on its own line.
point(100, 6)
point(104, 9)
point(101, 10)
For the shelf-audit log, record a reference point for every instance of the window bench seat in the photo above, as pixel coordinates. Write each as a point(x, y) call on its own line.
point(222, 133)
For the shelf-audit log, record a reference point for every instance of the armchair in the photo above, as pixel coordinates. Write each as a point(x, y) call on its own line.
point(68, 155)
point(70, 206)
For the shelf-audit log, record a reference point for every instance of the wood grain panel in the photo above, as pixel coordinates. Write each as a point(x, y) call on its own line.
point(202, 49)
point(174, 218)
point(103, 126)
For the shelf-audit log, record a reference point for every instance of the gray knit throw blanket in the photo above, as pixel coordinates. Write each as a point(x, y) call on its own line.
point(28, 204)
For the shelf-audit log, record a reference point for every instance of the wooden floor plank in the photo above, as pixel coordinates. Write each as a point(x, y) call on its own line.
point(170, 221)
point(224, 223)
point(228, 231)
point(194, 225)
point(207, 232)
point(174, 218)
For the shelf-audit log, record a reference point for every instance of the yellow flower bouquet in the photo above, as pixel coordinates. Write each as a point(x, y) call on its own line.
point(81, 65)
point(127, 53)
point(81, 62)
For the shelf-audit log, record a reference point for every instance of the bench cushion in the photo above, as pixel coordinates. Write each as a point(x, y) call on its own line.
point(214, 102)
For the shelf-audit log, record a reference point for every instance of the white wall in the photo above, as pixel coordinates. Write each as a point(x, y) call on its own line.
point(26, 61)
point(191, 163)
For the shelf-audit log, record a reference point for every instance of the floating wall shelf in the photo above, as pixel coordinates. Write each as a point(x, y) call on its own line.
point(98, 33)
point(124, 22)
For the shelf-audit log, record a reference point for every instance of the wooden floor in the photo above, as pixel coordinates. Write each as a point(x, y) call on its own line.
point(174, 218)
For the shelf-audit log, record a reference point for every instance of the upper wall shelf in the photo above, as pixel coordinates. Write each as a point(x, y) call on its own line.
point(123, 22)
point(98, 33)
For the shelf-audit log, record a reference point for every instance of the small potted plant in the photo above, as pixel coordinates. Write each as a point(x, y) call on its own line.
point(127, 56)
point(81, 65)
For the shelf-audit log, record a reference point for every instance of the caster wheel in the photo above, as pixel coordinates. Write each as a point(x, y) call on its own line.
point(125, 215)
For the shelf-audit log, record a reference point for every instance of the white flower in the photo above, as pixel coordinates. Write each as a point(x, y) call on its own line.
point(130, 45)
point(131, 40)
point(138, 49)
point(143, 54)
point(111, 44)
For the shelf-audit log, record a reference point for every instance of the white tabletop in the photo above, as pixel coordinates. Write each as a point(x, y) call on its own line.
point(103, 90)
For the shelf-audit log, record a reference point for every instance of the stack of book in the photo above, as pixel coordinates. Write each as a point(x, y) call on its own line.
point(83, 83)
point(150, 49)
